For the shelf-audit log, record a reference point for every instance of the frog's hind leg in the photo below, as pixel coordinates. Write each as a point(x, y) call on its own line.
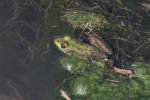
point(97, 41)
point(124, 72)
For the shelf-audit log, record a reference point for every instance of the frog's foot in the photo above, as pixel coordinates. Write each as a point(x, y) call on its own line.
point(125, 72)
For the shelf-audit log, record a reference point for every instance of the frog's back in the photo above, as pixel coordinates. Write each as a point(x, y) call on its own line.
point(81, 47)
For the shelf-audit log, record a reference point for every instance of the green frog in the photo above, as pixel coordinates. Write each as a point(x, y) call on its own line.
point(85, 51)
point(96, 52)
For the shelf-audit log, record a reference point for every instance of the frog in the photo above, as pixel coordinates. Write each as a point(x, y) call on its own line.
point(95, 51)
point(73, 47)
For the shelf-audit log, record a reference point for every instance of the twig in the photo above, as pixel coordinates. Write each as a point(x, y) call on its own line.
point(141, 46)
point(124, 53)
point(36, 6)
point(129, 10)
point(64, 95)
point(16, 12)
point(123, 39)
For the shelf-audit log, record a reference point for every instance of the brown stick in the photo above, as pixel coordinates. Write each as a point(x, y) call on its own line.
point(125, 72)
point(64, 95)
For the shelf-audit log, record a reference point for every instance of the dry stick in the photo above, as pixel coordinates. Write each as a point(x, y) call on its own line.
point(64, 95)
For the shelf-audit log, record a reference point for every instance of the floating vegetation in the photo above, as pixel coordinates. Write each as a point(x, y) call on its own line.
point(81, 19)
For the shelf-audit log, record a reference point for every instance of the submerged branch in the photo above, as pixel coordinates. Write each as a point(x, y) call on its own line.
point(141, 46)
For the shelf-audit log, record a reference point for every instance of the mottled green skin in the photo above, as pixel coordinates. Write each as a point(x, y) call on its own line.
point(73, 47)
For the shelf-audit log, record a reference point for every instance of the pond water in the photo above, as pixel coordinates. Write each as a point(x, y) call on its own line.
point(29, 61)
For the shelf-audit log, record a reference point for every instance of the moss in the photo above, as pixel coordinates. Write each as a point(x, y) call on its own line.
point(84, 85)
point(74, 64)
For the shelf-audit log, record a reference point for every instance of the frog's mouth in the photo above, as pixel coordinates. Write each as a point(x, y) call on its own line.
point(58, 45)
point(59, 40)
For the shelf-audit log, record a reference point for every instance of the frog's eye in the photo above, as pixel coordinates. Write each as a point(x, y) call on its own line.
point(64, 45)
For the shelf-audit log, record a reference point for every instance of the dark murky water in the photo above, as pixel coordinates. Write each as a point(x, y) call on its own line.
point(29, 61)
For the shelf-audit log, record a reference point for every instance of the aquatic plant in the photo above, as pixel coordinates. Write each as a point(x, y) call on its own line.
point(83, 20)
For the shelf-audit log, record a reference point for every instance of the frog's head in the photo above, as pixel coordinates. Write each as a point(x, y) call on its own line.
point(62, 43)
